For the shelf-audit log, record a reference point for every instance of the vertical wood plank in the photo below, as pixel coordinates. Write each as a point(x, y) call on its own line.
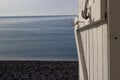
point(95, 55)
point(105, 54)
point(82, 37)
point(100, 52)
point(91, 56)
point(87, 49)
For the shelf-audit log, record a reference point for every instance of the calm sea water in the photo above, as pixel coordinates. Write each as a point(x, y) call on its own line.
point(37, 38)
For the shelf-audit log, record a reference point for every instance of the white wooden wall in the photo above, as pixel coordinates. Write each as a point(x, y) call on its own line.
point(94, 41)
point(95, 51)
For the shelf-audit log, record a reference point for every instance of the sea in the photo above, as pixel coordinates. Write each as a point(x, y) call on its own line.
point(49, 38)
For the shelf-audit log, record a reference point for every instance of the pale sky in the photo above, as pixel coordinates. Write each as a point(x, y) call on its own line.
point(38, 7)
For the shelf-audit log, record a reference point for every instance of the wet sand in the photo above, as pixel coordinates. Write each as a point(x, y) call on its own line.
point(38, 70)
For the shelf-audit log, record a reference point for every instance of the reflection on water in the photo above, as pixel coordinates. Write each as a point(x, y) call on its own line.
point(37, 38)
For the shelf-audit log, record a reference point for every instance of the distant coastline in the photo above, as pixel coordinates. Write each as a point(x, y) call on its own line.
point(35, 16)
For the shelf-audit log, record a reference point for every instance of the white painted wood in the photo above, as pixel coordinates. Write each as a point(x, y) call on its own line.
point(100, 55)
point(95, 42)
point(88, 52)
point(95, 55)
point(96, 10)
point(82, 35)
point(105, 52)
point(81, 56)
point(91, 56)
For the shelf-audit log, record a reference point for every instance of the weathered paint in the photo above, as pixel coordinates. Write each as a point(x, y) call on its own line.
point(95, 42)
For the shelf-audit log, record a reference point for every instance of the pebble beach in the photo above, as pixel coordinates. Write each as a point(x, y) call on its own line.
point(38, 70)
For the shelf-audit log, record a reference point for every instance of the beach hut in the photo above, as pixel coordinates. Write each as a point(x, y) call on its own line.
point(97, 33)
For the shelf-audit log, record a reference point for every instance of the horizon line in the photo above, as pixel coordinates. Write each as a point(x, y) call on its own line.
point(34, 15)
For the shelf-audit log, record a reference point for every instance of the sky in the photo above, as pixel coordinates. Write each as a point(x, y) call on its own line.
point(38, 7)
